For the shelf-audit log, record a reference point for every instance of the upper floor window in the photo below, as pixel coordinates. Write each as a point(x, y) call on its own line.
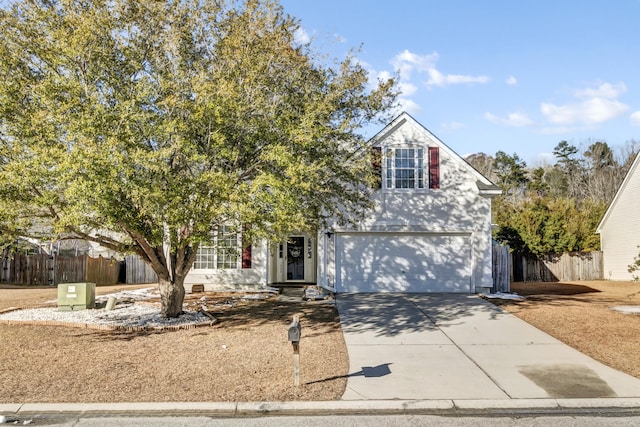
point(405, 168)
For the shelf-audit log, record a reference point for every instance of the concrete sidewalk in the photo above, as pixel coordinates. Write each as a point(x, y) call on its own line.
point(460, 347)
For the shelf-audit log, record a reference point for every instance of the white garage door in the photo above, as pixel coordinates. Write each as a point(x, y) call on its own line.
point(383, 262)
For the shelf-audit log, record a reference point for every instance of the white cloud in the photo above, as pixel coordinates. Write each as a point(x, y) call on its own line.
point(382, 75)
point(635, 118)
point(408, 105)
point(301, 37)
point(590, 112)
point(436, 78)
point(595, 105)
point(407, 89)
point(406, 62)
point(407, 65)
point(374, 76)
point(605, 90)
point(511, 81)
point(512, 119)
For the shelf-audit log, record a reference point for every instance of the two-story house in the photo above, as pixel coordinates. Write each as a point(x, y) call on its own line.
point(429, 230)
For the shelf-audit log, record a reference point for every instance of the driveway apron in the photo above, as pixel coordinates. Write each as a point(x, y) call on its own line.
point(457, 346)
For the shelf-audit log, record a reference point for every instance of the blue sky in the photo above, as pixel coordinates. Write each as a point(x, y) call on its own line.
point(517, 76)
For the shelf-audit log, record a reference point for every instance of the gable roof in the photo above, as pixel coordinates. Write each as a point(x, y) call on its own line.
point(625, 182)
point(485, 186)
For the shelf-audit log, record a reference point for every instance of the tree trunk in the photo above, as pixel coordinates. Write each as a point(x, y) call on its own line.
point(171, 296)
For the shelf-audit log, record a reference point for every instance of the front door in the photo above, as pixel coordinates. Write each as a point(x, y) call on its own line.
point(295, 260)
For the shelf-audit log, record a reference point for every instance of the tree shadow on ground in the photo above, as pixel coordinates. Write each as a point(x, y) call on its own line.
point(316, 319)
point(550, 289)
point(391, 314)
point(554, 293)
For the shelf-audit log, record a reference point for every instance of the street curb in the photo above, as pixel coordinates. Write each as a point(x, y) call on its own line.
point(342, 407)
point(9, 408)
point(618, 402)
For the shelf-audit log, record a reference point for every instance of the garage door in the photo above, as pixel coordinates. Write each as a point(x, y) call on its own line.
point(383, 262)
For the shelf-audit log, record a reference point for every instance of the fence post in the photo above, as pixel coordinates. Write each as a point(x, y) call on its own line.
point(84, 266)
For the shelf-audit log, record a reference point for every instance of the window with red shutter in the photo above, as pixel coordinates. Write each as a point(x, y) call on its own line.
point(434, 167)
point(376, 166)
point(246, 249)
point(246, 257)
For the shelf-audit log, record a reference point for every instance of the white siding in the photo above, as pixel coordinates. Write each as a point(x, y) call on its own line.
point(457, 208)
point(620, 228)
point(234, 278)
point(442, 235)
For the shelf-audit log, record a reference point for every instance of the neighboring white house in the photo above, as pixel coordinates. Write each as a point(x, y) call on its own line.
point(429, 230)
point(619, 228)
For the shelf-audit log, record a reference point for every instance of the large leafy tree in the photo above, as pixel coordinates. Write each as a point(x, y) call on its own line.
point(146, 125)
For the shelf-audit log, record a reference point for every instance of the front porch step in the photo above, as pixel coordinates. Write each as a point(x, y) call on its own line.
point(291, 284)
point(291, 293)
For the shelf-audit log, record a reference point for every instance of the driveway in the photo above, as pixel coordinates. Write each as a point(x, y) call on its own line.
point(458, 346)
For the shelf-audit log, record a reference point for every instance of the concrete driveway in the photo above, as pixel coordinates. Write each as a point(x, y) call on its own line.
point(452, 346)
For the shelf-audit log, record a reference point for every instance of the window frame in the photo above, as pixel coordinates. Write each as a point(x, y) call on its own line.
point(220, 256)
point(393, 168)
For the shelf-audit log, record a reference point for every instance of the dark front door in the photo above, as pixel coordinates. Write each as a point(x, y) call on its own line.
point(295, 258)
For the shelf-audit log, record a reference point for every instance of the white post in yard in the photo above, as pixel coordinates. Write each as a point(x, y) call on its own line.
point(296, 363)
point(294, 334)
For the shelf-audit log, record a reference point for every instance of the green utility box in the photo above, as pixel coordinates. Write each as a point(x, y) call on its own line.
point(76, 296)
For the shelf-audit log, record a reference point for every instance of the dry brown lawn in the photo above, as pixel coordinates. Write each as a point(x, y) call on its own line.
point(579, 314)
point(244, 357)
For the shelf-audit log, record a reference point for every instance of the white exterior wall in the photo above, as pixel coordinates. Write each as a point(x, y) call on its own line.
point(457, 212)
point(456, 207)
point(620, 228)
point(239, 278)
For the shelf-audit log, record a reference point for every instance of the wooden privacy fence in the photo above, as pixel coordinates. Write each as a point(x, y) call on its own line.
point(501, 261)
point(51, 270)
point(102, 271)
point(552, 268)
point(138, 271)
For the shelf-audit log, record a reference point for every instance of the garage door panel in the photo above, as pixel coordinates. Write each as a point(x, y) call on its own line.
point(403, 263)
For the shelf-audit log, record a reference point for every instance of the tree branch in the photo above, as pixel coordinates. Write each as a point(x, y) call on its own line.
point(150, 253)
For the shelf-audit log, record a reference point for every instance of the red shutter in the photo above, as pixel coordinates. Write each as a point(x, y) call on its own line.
point(434, 167)
point(376, 166)
point(246, 250)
